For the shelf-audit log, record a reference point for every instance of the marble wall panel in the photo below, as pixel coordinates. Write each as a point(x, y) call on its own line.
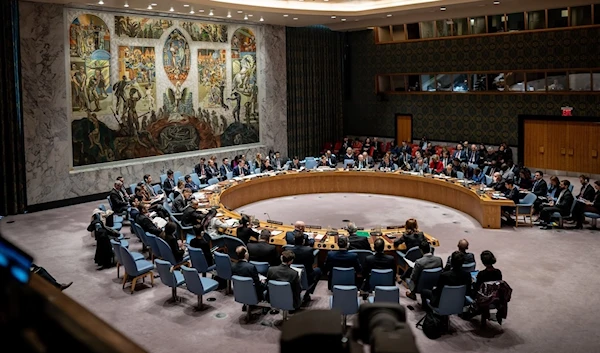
point(50, 176)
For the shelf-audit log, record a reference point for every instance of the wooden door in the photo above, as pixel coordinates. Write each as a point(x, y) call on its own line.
point(557, 145)
point(582, 142)
point(403, 128)
point(535, 143)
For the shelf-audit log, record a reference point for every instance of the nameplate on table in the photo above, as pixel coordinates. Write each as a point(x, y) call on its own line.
point(313, 227)
point(394, 227)
point(274, 222)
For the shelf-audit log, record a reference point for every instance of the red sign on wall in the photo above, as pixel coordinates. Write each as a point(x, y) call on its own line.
point(567, 111)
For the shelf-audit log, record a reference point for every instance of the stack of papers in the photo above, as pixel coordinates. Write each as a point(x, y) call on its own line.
point(319, 237)
point(232, 222)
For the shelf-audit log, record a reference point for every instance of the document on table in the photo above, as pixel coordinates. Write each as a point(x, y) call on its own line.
point(262, 278)
point(299, 270)
point(232, 222)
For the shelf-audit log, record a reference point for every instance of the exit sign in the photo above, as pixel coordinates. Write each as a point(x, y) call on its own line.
point(567, 111)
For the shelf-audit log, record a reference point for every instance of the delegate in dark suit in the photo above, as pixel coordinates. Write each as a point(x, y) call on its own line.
point(179, 204)
point(305, 257)
point(191, 217)
point(358, 243)
point(341, 258)
point(378, 261)
point(118, 201)
point(285, 274)
point(410, 239)
point(587, 192)
point(168, 186)
point(428, 261)
point(237, 171)
point(225, 169)
point(245, 233)
point(263, 252)
point(540, 188)
point(562, 205)
point(245, 269)
point(147, 225)
point(447, 278)
point(289, 238)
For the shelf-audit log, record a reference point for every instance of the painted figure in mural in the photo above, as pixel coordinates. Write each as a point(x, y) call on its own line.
point(237, 98)
point(134, 97)
point(101, 83)
point(178, 95)
point(92, 94)
point(119, 89)
point(241, 80)
point(254, 99)
point(79, 80)
point(248, 112)
point(94, 136)
point(149, 97)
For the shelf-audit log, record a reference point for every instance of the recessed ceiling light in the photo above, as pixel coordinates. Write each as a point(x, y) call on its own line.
point(100, 2)
point(228, 14)
point(332, 16)
point(496, 2)
point(325, 0)
point(443, 8)
point(153, 4)
point(285, 15)
point(240, 11)
point(343, 19)
point(261, 19)
point(186, 5)
point(250, 15)
point(295, 18)
point(126, 4)
point(171, 9)
point(200, 10)
point(149, 7)
point(211, 13)
point(389, 15)
point(192, 11)
point(245, 17)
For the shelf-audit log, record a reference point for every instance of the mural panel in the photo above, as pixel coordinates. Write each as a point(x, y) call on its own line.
point(211, 77)
point(89, 49)
point(206, 32)
point(141, 27)
point(244, 93)
point(137, 77)
point(176, 57)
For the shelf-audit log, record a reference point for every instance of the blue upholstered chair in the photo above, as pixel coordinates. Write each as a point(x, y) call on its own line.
point(469, 267)
point(381, 278)
point(386, 294)
point(593, 216)
point(169, 278)
point(427, 280)
point(177, 175)
point(213, 181)
point(412, 255)
point(343, 276)
point(231, 243)
point(135, 269)
point(195, 178)
point(525, 208)
point(345, 300)
point(362, 255)
point(244, 292)
point(116, 246)
point(281, 296)
point(460, 175)
point(199, 261)
point(303, 277)
point(163, 177)
point(488, 180)
point(167, 254)
point(310, 163)
point(157, 189)
point(223, 264)
point(560, 217)
point(261, 267)
point(229, 175)
point(153, 244)
point(452, 302)
point(132, 188)
point(198, 285)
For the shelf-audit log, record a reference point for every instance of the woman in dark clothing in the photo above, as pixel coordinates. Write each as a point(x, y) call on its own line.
point(245, 232)
point(490, 273)
point(176, 245)
point(199, 243)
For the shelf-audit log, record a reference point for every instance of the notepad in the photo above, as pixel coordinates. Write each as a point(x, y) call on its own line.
point(299, 270)
point(232, 222)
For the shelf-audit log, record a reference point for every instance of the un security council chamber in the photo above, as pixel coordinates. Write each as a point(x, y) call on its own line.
point(335, 176)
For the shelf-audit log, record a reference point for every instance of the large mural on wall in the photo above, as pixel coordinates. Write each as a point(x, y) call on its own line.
point(140, 109)
point(140, 27)
point(206, 32)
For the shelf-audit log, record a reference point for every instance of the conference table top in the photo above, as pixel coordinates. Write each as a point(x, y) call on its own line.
point(231, 194)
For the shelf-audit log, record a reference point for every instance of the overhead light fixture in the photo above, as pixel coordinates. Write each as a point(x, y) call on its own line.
point(295, 18)
point(201, 10)
point(496, 2)
point(186, 5)
point(250, 15)
point(171, 9)
point(333, 16)
point(240, 11)
point(126, 4)
point(343, 19)
point(285, 15)
point(211, 13)
point(153, 4)
point(192, 11)
point(149, 7)
point(245, 17)
point(228, 14)
point(100, 2)
point(443, 8)
point(261, 19)
point(389, 15)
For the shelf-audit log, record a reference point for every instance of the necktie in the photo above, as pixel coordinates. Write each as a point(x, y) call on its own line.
point(535, 184)
point(560, 196)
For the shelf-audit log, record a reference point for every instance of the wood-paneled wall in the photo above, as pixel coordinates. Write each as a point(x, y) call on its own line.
point(561, 145)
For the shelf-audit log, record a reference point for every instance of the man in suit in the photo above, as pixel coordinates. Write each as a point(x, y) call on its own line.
point(295, 163)
point(354, 241)
point(200, 168)
point(506, 173)
point(212, 171)
point(511, 193)
point(299, 227)
point(245, 269)
point(369, 160)
point(498, 183)
point(118, 200)
point(449, 171)
point(379, 261)
point(277, 161)
point(539, 188)
point(420, 166)
point(144, 221)
point(169, 183)
point(454, 277)
point(284, 273)
point(473, 157)
point(189, 183)
point(463, 246)
point(148, 185)
point(361, 163)
point(263, 251)
point(587, 191)
point(225, 167)
point(460, 153)
point(331, 159)
point(181, 201)
point(345, 144)
point(563, 204)
point(191, 215)
point(125, 190)
point(305, 257)
point(446, 160)
point(240, 169)
point(428, 261)
point(341, 258)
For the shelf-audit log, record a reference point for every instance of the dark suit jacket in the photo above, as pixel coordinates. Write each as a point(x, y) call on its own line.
point(379, 261)
point(452, 174)
point(244, 234)
point(295, 166)
point(192, 186)
point(191, 217)
point(469, 258)
point(540, 189)
point(462, 155)
point(285, 274)
point(565, 202)
point(451, 278)
point(224, 169)
point(147, 225)
point(341, 258)
point(289, 238)
point(304, 256)
point(587, 192)
point(411, 240)
point(198, 168)
point(177, 253)
point(358, 243)
point(168, 186)
point(118, 201)
point(212, 173)
point(263, 252)
point(236, 171)
point(245, 269)
point(179, 204)
point(512, 195)
point(470, 159)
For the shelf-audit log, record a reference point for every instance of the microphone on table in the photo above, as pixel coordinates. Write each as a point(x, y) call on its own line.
point(266, 214)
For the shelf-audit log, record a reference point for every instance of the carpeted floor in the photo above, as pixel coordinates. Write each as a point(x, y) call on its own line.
point(555, 306)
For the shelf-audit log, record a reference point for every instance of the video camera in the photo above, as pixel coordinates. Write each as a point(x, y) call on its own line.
point(381, 327)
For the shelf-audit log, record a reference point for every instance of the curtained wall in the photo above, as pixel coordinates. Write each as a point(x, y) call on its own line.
point(12, 157)
point(314, 86)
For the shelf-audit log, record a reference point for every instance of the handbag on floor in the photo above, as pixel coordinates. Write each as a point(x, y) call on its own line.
point(433, 325)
